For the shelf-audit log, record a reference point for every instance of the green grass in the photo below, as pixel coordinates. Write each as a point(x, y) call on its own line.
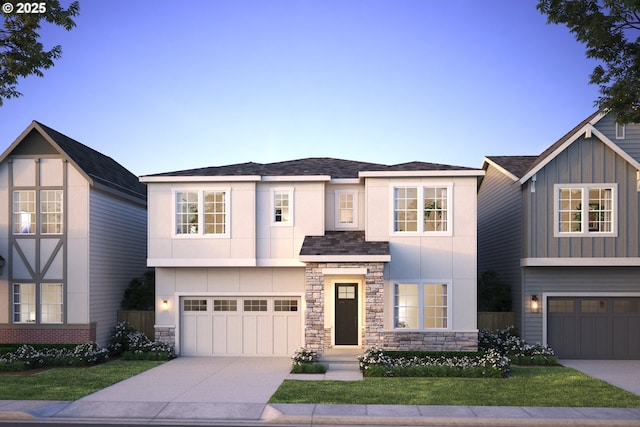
point(527, 386)
point(69, 383)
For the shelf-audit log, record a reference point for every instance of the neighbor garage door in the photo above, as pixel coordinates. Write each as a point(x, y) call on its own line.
point(594, 328)
point(240, 326)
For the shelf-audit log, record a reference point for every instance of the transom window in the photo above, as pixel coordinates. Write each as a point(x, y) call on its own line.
point(583, 210)
point(45, 307)
point(420, 306)
point(282, 206)
point(421, 209)
point(202, 213)
point(346, 209)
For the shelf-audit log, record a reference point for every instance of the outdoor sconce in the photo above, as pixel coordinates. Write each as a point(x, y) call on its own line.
point(535, 306)
point(2, 262)
point(165, 305)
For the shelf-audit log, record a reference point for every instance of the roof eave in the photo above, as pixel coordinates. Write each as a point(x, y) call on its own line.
point(427, 173)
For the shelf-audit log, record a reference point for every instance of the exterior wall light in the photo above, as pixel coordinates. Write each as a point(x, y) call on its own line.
point(165, 305)
point(535, 306)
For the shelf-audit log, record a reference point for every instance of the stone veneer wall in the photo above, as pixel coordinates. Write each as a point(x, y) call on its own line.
point(166, 334)
point(318, 338)
point(431, 341)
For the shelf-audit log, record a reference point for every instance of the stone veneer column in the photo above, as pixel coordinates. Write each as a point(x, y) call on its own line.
point(374, 304)
point(314, 295)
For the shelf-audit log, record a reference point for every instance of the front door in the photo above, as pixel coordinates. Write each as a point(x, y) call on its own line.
point(346, 314)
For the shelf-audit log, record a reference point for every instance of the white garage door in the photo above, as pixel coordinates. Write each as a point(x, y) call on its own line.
point(240, 326)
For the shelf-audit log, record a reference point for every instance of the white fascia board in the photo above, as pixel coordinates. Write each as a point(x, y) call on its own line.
point(505, 172)
point(296, 178)
point(197, 178)
point(345, 181)
point(401, 174)
point(580, 262)
point(345, 258)
point(278, 262)
point(347, 271)
point(201, 262)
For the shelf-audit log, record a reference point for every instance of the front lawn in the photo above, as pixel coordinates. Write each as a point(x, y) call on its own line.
point(527, 386)
point(69, 383)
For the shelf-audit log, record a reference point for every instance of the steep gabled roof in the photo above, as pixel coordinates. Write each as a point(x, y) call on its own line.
point(314, 166)
point(513, 166)
point(96, 167)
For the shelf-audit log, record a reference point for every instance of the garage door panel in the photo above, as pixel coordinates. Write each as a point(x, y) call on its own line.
point(226, 330)
point(286, 334)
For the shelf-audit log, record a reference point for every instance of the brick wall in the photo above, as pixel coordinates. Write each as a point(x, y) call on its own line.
point(46, 335)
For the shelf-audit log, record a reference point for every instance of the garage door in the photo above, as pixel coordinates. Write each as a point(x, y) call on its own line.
point(240, 326)
point(594, 328)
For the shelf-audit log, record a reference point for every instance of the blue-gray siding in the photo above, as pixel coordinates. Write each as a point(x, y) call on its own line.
point(118, 248)
point(584, 161)
point(631, 141)
point(500, 230)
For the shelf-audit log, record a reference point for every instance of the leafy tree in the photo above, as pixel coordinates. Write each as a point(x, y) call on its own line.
point(140, 295)
point(611, 31)
point(493, 294)
point(21, 54)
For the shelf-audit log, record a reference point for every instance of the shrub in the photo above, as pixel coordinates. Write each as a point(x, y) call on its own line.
point(28, 357)
point(508, 343)
point(305, 361)
point(378, 362)
point(135, 345)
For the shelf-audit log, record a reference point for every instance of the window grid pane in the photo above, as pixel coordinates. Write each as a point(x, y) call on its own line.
point(51, 217)
point(195, 305)
point(255, 305)
point(346, 209)
point(285, 305)
point(435, 209)
point(600, 210)
point(281, 206)
point(215, 215)
point(187, 212)
point(51, 303)
point(24, 212)
point(435, 306)
point(225, 305)
point(24, 303)
point(406, 306)
point(405, 209)
point(570, 210)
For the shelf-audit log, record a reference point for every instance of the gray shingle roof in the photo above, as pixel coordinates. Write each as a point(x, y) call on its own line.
point(517, 165)
point(336, 168)
point(342, 243)
point(97, 166)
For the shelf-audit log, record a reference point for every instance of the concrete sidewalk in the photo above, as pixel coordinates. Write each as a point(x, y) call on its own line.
point(235, 391)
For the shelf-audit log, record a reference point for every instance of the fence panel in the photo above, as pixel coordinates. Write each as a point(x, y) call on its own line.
point(142, 320)
point(495, 320)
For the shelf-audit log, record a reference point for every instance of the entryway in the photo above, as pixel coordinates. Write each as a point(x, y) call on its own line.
point(346, 314)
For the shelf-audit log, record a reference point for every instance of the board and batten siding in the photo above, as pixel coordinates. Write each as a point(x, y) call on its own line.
point(575, 280)
point(584, 161)
point(500, 231)
point(631, 141)
point(117, 254)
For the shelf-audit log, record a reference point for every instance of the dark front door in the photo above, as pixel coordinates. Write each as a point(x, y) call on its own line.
point(346, 314)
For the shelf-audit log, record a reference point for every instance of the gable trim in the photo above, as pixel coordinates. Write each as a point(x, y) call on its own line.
point(489, 162)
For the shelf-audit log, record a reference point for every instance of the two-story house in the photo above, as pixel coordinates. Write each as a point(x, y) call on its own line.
point(563, 229)
point(72, 236)
point(262, 259)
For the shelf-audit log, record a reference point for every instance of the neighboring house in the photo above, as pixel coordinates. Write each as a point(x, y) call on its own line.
point(73, 235)
point(262, 259)
point(563, 229)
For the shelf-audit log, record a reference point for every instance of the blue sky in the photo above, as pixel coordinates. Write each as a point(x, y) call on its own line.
point(168, 85)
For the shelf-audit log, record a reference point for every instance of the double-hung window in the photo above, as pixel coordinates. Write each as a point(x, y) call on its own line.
point(585, 210)
point(25, 211)
point(346, 209)
point(201, 213)
point(421, 306)
point(282, 206)
point(46, 306)
point(422, 209)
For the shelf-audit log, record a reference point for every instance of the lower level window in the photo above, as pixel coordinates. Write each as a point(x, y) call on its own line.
point(25, 303)
point(420, 306)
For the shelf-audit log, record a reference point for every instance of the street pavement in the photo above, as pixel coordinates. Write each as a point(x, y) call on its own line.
point(235, 391)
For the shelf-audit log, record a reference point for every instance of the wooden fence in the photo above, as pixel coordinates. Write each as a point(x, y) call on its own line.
point(142, 320)
point(495, 320)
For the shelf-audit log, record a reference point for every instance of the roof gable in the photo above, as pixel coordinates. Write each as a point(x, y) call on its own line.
point(97, 168)
point(512, 166)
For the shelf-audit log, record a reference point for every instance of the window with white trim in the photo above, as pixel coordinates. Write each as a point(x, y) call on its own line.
point(24, 212)
point(24, 302)
point(51, 211)
point(51, 303)
point(421, 306)
point(282, 206)
point(620, 131)
point(346, 209)
point(585, 209)
point(423, 209)
point(202, 213)
point(27, 308)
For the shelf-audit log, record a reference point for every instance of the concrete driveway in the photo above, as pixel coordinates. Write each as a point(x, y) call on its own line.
point(621, 373)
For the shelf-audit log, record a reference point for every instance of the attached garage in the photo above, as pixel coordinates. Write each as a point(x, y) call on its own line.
point(240, 326)
point(594, 327)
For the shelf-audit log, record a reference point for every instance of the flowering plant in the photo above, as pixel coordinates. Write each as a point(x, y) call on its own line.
point(508, 343)
point(304, 356)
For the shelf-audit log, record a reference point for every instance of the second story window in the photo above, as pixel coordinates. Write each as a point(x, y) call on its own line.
point(346, 209)
point(281, 206)
point(50, 209)
point(24, 212)
point(202, 213)
point(421, 209)
point(585, 210)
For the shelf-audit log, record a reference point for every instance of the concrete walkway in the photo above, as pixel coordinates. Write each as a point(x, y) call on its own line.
point(235, 391)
